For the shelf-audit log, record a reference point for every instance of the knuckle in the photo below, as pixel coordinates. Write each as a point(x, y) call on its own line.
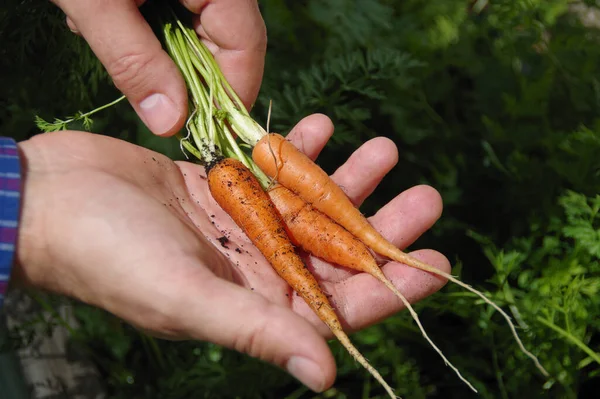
point(129, 70)
point(163, 323)
point(258, 341)
point(260, 37)
point(161, 317)
point(251, 341)
point(262, 43)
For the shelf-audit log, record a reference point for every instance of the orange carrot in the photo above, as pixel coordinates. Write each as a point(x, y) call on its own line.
point(320, 236)
point(282, 161)
point(239, 193)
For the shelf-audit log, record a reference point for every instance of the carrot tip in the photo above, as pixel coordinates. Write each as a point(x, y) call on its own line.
point(380, 276)
point(345, 341)
point(412, 262)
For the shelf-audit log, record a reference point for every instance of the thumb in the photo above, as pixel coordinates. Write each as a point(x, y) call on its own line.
point(245, 321)
point(133, 56)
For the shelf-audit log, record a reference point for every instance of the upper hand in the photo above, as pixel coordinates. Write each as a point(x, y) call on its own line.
point(126, 229)
point(125, 44)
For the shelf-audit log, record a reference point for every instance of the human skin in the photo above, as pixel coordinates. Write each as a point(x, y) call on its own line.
point(126, 229)
point(123, 41)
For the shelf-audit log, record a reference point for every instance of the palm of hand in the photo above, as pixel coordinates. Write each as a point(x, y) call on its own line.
point(131, 231)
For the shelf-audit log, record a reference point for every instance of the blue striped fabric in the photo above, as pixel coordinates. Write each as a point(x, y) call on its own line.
point(10, 201)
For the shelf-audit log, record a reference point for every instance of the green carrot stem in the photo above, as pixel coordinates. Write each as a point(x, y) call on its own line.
point(110, 104)
point(218, 110)
point(208, 59)
point(235, 113)
point(59, 124)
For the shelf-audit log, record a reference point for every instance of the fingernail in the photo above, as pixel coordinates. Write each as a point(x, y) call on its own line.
point(307, 371)
point(159, 113)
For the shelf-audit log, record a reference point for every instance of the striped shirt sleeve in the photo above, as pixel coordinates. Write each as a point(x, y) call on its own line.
point(10, 201)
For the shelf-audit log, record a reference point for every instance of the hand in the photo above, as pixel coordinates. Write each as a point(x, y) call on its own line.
point(126, 229)
point(125, 44)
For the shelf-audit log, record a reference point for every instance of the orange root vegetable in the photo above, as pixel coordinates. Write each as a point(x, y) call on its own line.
point(239, 193)
point(320, 236)
point(282, 161)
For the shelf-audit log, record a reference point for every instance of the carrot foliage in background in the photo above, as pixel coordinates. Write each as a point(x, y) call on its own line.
point(495, 104)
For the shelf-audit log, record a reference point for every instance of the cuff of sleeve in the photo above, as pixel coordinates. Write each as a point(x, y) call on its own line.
point(10, 202)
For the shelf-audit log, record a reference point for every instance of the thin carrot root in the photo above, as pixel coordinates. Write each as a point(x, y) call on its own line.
point(345, 341)
point(408, 260)
point(415, 317)
point(317, 234)
point(276, 156)
point(239, 193)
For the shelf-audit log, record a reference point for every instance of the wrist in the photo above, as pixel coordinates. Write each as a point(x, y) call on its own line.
point(28, 259)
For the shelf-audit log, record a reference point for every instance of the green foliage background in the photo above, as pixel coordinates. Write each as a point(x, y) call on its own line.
point(495, 104)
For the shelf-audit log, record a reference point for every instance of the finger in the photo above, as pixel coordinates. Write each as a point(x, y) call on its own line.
point(363, 301)
point(363, 171)
point(74, 29)
point(311, 134)
point(240, 50)
point(125, 44)
point(240, 319)
point(402, 221)
point(72, 26)
point(408, 215)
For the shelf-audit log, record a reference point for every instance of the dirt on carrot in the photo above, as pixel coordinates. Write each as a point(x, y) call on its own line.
point(223, 240)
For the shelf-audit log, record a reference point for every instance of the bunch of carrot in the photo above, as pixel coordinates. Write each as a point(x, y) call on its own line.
point(279, 197)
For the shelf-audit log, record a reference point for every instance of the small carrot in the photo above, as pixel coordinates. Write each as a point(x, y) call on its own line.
point(234, 183)
point(240, 194)
point(320, 236)
point(282, 161)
